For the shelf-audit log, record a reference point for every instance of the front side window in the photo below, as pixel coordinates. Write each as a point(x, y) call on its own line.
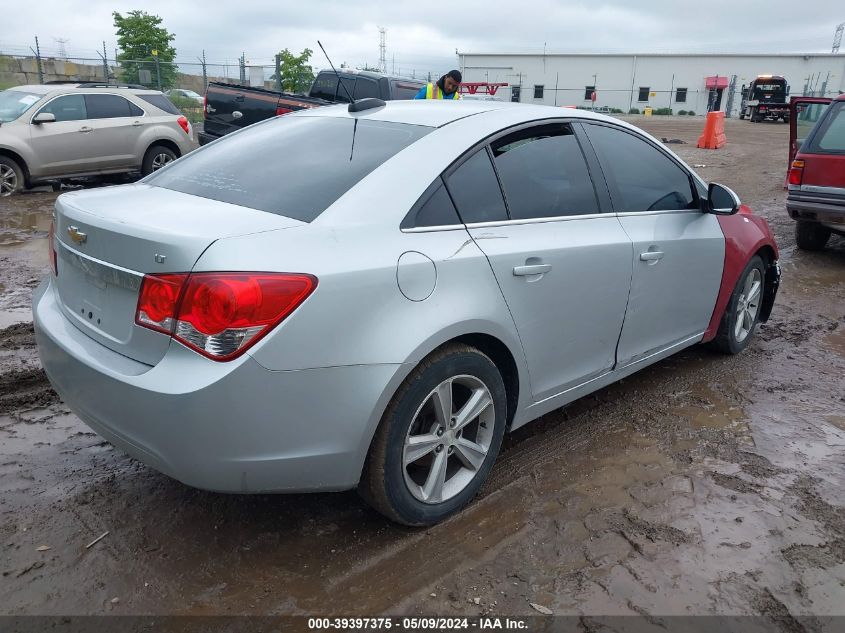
point(250, 169)
point(641, 177)
point(13, 103)
point(161, 102)
point(544, 174)
point(643, 94)
point(106, 106)
point(475, 190)
point(67, 108)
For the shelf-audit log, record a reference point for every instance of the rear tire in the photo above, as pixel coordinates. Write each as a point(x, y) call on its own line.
point(12, 178)
point(417, 440)
point(811, 236)
point(742, 313)
point(157, 157)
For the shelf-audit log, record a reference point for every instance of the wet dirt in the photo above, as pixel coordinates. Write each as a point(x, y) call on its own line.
point(705, 484)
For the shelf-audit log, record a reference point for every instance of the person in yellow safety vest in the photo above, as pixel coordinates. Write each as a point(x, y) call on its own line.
point(445, 88)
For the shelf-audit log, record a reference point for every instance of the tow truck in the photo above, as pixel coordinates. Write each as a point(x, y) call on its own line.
point(765, 97)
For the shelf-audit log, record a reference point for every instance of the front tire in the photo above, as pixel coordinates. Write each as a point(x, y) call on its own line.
point(157, 157)
point(11, 177)
point(743, 310)
point(811, 236)
point(438, 438)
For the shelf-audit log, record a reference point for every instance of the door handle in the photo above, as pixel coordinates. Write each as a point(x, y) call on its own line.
point(85, 129)
point(651, 256)
point(532, 269)
point(210, 110)
point(137, 124)
point(237, 114)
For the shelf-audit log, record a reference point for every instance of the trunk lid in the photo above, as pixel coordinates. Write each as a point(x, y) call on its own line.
point(108, 239)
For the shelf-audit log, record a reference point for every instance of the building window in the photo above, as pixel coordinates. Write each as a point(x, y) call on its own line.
point(643, 96)
point(588, 93)
point(681, 95)
point(538, 92)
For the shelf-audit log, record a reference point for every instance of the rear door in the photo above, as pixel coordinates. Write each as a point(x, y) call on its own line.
point(803, 114)
point(678, 251)
point(563, 266)
point(66, 145)
point(116, 124)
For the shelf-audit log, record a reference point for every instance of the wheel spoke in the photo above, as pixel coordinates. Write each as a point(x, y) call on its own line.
point(747, 321)
point(433, 488)
point(442, 401)
point(469, 453)
point(475, 406)
point(738, 325)
point(754, 295)
point(418, 446)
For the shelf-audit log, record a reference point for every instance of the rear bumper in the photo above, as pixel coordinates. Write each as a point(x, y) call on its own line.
point(229, 427)
point(204, 138)
point(825, 210)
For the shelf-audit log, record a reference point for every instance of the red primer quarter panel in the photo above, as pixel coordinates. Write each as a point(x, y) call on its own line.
point(745, 234)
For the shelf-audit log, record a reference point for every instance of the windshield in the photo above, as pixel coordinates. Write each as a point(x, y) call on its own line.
point(291, 166)
point(14, 103)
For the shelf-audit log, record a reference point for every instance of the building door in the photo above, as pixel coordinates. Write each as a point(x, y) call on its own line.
point(515, 94)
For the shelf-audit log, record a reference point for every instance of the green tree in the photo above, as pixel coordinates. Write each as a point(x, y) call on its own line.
point(139, 34)
point(296, 73)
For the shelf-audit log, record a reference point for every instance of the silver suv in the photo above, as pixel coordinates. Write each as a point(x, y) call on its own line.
point(54, 131)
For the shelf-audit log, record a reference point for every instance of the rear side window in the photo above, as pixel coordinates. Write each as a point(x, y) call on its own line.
point(67, 108)
point(135, 110)
point(544, 173)
point(404, 90)
point(106, 106)
point(365, 88)
point(831, 134)
point(325, 86)
point(475, 190)
point(254, 168)
point(161, 102)
point(641, 177)
point(434, 208)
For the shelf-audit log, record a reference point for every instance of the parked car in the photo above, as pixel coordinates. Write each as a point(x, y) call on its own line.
point(61, 130)
point(183, 93)
point(231, 107)
point(816, 180)
point(379, 312)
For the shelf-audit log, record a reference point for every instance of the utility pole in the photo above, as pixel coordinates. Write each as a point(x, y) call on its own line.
point(242, 63)
point(382, 47)
point(204, 72)
point(279, 71)
point(158, 68)
point(37, 53)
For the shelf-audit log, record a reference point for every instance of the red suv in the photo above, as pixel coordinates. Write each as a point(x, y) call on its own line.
point(816, 180)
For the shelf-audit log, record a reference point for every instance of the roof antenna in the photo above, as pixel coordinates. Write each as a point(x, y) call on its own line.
point(361, 104)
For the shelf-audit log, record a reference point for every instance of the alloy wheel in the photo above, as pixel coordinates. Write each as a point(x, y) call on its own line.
point(748, 305)
point(8, 180)
point(160, 160)
point(448, 439)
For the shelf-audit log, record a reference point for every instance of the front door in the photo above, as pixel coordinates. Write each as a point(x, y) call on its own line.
point(678, 252)
point(64, 146)
point(564, 267)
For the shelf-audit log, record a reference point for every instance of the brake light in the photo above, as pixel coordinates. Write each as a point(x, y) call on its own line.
point(280, 110)
point(220, 315)
point(796, 172)
point(183, 123)
point(51, 245)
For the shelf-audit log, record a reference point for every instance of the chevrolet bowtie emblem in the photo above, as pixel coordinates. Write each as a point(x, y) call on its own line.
point(76, 235)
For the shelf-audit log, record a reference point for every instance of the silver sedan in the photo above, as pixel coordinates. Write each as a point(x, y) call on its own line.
point(371, 296)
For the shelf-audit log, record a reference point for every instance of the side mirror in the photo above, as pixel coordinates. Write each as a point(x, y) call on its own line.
point(44, 117)
point(721, 200)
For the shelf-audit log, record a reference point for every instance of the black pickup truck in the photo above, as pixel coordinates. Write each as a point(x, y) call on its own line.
point(229, 107)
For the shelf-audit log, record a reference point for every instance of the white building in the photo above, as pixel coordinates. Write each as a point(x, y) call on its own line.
point(625, 81)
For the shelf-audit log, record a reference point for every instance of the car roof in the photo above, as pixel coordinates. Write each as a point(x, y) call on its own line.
point(45, 89)
point(437, 113)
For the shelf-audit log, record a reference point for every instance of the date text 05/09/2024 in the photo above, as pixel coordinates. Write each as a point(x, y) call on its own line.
point(418, 624)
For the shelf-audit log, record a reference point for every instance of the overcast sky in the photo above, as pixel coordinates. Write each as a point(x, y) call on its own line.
point(424, 35)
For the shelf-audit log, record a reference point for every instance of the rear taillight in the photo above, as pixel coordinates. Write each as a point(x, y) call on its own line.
point(220, 315)
point(183, 123)
point(796, 172)
point(51, 246)
point(280, 111)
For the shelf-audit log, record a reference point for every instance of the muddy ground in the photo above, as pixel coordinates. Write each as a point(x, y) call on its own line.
point(705, 484)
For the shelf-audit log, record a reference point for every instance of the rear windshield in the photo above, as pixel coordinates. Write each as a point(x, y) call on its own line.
point(291, 166)
point(14, 103)
point(161, 102)
point(831, 134)
point(405, 90)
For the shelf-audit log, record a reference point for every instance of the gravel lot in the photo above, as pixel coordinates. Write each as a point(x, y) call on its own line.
point(703, 485)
